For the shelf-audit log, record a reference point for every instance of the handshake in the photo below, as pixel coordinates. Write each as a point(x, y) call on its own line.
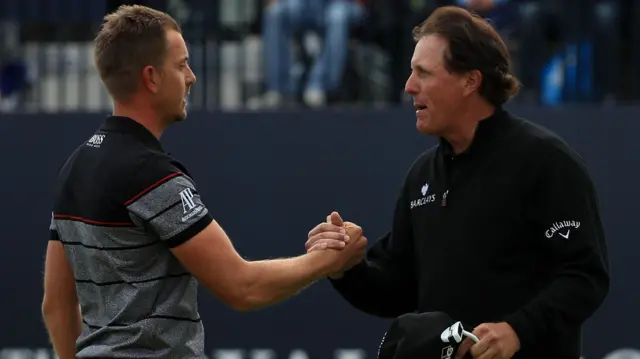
point(341, 243)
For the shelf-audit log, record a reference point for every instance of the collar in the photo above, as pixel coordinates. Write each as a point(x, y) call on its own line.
point(487, 132)
point(127, 125)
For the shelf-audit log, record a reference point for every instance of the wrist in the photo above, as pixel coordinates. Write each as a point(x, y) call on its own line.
point(521, 329)
point(323, 264)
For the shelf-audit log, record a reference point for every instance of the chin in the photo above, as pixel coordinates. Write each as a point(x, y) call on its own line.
point(180, 117)
point(425, 128)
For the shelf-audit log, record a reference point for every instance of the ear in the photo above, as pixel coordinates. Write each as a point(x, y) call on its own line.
point(151, 79)
point(472, 82)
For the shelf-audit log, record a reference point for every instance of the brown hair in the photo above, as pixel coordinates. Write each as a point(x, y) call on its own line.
point(130, 38)
point(473, 45)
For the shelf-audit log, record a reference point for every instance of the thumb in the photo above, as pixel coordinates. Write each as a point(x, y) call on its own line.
point(334, 218)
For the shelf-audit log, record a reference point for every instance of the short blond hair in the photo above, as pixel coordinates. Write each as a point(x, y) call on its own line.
point(130, 38)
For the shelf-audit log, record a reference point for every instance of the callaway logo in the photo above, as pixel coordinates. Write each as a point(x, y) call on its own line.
point(563, 229)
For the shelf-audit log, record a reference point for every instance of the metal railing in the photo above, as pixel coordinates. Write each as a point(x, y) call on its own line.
point(48, 44)
point(51, 43)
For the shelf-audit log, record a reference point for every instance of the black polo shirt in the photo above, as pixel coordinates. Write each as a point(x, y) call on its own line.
point(121, 203)
point(509, 230)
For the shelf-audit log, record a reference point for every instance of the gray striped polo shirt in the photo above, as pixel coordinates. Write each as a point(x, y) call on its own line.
point(121, 202)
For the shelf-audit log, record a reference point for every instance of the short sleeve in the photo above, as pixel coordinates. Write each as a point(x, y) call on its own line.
point(53, 230)
point(167, 202)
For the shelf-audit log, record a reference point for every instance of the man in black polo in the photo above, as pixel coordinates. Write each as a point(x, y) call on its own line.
point(130, 234)
point(498, 226)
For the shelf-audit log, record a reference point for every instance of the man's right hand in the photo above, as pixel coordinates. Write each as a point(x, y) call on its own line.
point(349, 254)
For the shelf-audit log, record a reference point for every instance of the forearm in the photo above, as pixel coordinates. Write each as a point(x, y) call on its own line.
point(269, 282)
point(64, 325)
point(567, 302)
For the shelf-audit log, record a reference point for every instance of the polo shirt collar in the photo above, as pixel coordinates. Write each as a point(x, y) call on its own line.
point(486, 133)
point(127, 125)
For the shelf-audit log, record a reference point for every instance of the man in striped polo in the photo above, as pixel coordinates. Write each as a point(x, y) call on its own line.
point(130, 235)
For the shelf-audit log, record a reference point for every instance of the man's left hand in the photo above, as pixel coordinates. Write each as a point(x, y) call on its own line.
point(497, 341)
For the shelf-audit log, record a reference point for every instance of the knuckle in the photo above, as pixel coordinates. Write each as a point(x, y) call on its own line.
point(337, 244)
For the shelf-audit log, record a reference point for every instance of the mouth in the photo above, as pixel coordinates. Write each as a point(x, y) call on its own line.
point(419, 107)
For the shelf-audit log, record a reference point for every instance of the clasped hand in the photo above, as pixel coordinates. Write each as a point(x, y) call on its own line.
point(350, 243)
point(497, 341)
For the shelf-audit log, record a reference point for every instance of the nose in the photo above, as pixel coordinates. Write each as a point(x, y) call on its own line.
point(191, 77)
point(411, 86)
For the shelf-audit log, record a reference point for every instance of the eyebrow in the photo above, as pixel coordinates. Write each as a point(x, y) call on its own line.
point(421, 69)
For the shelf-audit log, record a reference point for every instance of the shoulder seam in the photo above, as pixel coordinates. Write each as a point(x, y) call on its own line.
point(152, 186)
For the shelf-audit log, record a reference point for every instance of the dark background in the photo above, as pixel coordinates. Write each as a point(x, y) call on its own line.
point(268, 178)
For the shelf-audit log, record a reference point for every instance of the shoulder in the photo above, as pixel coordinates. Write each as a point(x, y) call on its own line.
point(156, 171)
point(545, 149)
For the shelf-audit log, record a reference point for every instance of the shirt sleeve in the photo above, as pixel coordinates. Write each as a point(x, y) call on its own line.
point(384, 284)
point(167, 201)
point(53, 230)
point(566, 220)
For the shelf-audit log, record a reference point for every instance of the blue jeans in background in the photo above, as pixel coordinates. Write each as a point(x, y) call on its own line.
point(331, 19)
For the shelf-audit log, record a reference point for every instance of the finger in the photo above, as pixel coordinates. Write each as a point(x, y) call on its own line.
point(330, 243)
point(491, 353)
point(325, 227)
point(335, 244)
point(326, 244)
point(353, 231)
point(482, 346)
point(336, 219)
point(317, 247)
point(339, 234)
point(327, 235)
point(463, 349)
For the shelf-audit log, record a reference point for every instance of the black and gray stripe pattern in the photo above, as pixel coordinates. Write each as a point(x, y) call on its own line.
point(137, 299)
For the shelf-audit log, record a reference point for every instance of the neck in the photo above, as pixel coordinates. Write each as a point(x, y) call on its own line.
point(461, 136)
point(144, 115)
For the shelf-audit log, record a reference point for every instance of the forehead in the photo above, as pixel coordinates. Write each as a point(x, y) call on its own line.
point(177, 46)
point(429, 52)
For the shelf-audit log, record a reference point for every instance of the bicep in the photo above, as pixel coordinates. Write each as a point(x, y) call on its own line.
point(59, 282)
point(170, 205)
point(566, 211)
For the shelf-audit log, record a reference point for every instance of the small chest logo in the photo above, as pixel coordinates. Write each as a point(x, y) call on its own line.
point(426, 197)
point(95, 141)
point(562, 228)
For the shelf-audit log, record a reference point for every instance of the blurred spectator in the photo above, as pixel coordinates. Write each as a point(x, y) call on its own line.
point(286, 20)
point(14, 83)
point(14, 71)
point(522, 25)
point(606, 36)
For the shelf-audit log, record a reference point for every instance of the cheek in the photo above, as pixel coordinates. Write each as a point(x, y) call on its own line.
point(444, 95)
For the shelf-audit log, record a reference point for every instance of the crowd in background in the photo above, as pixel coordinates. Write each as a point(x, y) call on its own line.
point(262, 54)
